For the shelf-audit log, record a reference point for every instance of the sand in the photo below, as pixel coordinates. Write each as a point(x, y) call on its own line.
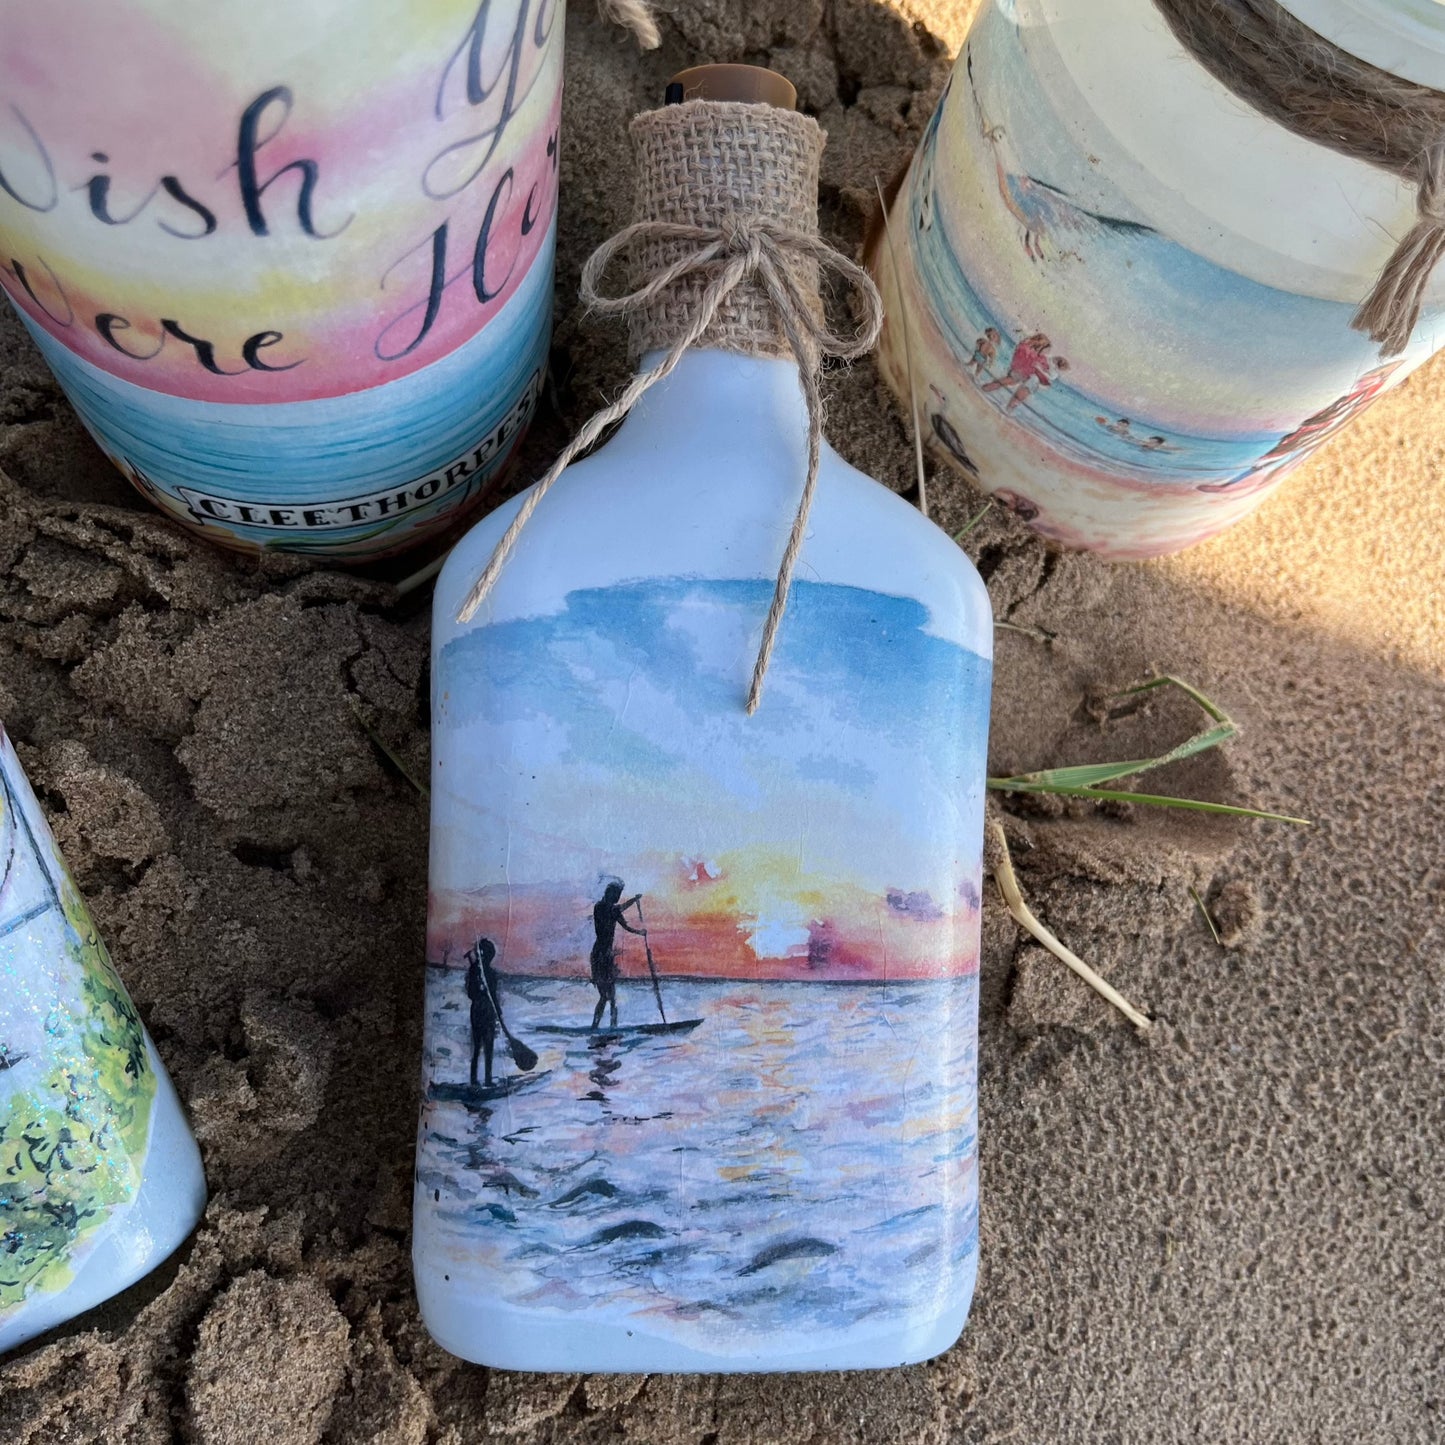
point(1230, 1232)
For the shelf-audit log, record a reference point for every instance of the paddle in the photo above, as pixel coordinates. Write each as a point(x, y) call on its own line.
point(651, 966)
point(522, 1056)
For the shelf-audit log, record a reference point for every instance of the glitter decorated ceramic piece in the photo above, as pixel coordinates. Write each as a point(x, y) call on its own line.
point(99, 1176)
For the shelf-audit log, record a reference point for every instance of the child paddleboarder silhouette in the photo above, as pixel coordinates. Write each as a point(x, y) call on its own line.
point(484, 991)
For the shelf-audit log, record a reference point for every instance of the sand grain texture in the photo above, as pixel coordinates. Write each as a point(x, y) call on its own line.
point(1230, 1232)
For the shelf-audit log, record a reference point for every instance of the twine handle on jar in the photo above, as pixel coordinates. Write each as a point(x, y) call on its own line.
point(1389, 313)
point(1262, 53)
point(735, 251)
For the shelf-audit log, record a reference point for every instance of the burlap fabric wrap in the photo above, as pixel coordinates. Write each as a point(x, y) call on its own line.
point(705, 164)
point(1300, 80)
point(725, 255)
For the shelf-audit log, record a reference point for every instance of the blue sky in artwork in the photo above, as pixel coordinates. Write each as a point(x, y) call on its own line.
point(624, 712)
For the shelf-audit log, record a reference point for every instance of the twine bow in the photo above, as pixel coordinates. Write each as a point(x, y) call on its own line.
point(731, 253)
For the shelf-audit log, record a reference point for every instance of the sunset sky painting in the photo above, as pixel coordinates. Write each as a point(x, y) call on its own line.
point(779, 1136)
point(818, 840)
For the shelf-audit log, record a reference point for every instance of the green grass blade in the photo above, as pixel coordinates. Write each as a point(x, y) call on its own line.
point(1082, 781)
point(1167, 679)
point(1200, 743)
point(1088, 775)
point(1085, 775)
point(1039, 634)
point(1012, 785)
point(1208, 918)
point(973, 521)
point(380, 742)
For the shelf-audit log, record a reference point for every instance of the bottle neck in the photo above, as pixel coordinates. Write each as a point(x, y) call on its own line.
point(718, 169)
point(719, 401)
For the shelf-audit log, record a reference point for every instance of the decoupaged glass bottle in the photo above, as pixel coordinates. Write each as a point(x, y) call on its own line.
point(701, 987)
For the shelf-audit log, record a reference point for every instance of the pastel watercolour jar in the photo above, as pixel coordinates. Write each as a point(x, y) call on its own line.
point(291, 264)
point(1106, 319)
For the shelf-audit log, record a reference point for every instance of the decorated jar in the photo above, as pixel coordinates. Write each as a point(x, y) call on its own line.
point(100, 1179)
point(291, 263)
point(1122, 293)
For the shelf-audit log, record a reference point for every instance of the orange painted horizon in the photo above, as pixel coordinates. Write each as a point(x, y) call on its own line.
point(714, 921)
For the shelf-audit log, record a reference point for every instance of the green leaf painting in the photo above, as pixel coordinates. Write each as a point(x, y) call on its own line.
point(73, 1135)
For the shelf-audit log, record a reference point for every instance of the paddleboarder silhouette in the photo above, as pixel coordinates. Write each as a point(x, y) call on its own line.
point(607, 917)
point(483, 990)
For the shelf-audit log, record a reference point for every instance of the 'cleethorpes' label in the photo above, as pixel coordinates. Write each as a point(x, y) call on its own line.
point(451, 484)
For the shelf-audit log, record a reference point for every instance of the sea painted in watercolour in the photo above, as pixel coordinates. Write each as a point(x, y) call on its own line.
point(775, 1133)
point(1108, 384)
point(77, 1086)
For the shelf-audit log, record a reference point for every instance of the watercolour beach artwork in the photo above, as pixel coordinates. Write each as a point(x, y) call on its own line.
point(775, 1129)
point(76, 1081)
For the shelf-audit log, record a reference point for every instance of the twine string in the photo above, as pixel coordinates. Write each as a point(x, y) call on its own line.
point(634, 16)
point(1392, 309)
point(1293, 75)
point(733, 252)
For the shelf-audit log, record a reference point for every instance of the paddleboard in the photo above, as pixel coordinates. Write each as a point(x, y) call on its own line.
point(622, 1031)
point(475, 1095)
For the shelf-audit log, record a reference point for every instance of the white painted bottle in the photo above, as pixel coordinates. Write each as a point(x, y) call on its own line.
point(739, 953)
point(100, 1179)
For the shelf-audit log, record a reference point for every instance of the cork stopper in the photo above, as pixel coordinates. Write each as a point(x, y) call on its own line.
point(749, 84)
point(716, 165)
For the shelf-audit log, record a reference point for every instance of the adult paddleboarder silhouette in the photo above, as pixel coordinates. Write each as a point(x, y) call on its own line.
point(607, 917)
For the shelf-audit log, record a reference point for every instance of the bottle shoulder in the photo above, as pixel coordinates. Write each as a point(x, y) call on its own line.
point(619, 516)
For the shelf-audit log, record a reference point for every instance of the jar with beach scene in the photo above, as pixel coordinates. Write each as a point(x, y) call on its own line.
point(1124, 273)
point(292, 264)
point(702, 984)
point(100, 1179)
